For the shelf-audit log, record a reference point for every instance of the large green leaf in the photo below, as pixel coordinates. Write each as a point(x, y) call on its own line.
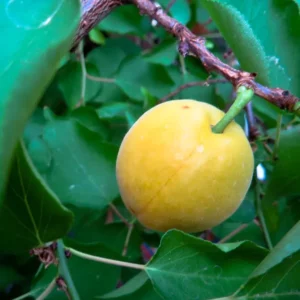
point(264, 36)
point(186, 267)
point(277, 277)
point(283, 181)
point(150, 76)
point(35, 35)
point(31, 214)
point(82, 170)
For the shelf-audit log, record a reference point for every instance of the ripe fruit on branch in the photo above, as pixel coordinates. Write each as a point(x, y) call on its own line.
point(173, 171)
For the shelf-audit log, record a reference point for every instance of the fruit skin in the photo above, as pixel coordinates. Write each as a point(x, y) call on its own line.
point(174, 172)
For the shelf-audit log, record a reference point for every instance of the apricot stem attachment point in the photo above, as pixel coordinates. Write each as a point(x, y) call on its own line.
point(244, 95)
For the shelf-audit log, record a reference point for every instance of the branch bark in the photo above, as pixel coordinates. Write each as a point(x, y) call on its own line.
point(189, 44)
point(93, 11)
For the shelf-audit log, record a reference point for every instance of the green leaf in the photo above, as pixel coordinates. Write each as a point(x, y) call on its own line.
point(107, 59)
point(70, 83)
point(138, 287)
point(200, 93)
point(31, 49)
point(289, 245)
point(97, 36)
point(186, 267)
point(149, 100)
point(264, 36)
point(113, 236)
point(35, 125)
point(180, 10)
point(87, 117)
point(31, 214)
point(130, 287)
point(164, 54)
point(127, 113)
point(284, 179)
point(41, 152)
point(119, 22)
point(251, 233)
point(91, 279)
point(83, 166)
point(246, 211)
point(113, 110)
point(150, 76)
point(277, 277)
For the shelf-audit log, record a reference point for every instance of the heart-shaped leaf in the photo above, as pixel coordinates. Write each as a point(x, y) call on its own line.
point(31, 214)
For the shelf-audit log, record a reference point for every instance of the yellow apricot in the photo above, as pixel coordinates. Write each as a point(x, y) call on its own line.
point(174, 172)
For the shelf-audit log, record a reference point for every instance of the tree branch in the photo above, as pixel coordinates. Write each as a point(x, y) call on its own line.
point(93, 11)
point(189, 44)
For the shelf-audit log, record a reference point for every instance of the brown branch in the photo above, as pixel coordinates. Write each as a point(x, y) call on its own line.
point(190, 44)
point(93, 11)
point(192, 84)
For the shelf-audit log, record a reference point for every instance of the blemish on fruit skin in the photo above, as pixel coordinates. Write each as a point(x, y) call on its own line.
point(185, 107)
point(200, 148)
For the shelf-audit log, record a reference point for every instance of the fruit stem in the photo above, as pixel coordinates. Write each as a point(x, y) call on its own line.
point(106, 260)
point(244, 96)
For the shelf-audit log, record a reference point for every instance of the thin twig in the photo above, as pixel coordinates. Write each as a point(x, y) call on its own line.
point(128, 236)
point(48, 290)
point(190, 44)
point(261, 214)
point(268, 148)
point(83, 70)
point(107, 260)
point(64, 271)
point(233, 233)
point(116, 211)
point(100, 79)
point(191, 84)
point(182, 64)
point(278, 130)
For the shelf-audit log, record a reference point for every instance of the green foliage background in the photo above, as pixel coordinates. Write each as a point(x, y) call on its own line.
point(63, 116)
